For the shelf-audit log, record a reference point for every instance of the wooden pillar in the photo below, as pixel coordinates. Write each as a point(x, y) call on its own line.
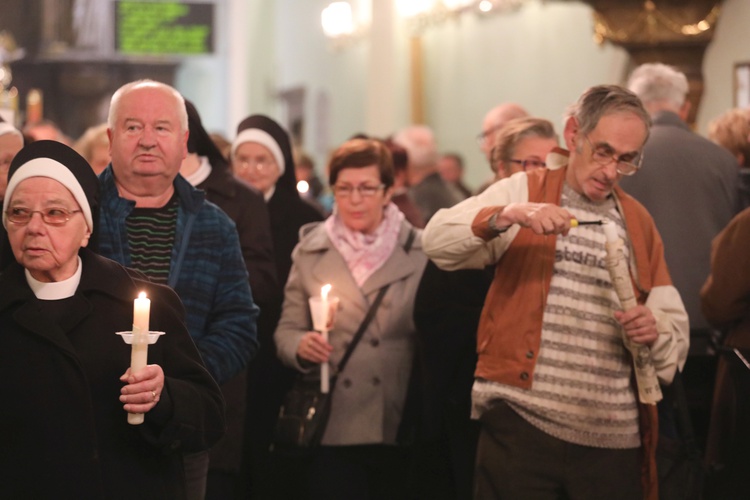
point(416, 70)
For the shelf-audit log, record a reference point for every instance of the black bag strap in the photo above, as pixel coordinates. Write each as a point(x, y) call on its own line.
point(371, 311)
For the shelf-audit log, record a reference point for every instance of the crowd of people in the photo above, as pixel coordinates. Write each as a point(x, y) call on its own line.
point(496, 351)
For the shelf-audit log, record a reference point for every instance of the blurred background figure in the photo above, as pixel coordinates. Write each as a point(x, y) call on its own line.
point(726, 304)
point(262, 156)
point(451, 170)
point(731, 131)
point(426, 188)
point(205, 168)
point(686, 181)
point(309, 185)
point(11, 142)
point(223, 144)
point(364, 246)
point(521, 146)
point(46, 130)
point(94, 146)
point(493, 121)
point(400, 196)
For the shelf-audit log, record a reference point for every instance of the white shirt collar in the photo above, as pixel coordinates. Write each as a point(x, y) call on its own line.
point(201, 173)
point(57, 290)
point(269, 193)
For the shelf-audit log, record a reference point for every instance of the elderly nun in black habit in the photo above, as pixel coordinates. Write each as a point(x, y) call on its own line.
point(206, 168)
point(262, 157)
point(66, 384)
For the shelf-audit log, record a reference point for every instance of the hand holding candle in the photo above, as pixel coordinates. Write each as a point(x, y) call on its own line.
point(322, 310)
point(645, 374)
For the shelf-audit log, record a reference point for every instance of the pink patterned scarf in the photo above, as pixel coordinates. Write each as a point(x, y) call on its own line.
point(365, 253)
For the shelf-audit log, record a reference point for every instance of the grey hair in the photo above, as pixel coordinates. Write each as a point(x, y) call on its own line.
point(507, 139)
point(419, 142)
point(114, 104)
point(602, 100)
point(659, 83)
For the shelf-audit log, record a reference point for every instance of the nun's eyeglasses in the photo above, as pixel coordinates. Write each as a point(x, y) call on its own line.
point(50, 216)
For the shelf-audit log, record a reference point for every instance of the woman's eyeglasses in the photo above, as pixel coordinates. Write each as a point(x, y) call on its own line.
point(530, 164)
point(366, 191)
point(50, 216)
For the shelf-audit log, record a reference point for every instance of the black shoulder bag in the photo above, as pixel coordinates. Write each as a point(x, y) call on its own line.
point(304, 414)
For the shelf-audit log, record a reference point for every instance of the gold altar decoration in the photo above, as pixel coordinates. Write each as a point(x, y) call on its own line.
point(674, 32)
point(653, 25)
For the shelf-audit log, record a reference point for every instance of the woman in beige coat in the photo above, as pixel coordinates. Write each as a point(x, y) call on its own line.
point(357, 250)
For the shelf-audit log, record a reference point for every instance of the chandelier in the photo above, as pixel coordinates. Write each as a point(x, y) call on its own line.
point(348, 19)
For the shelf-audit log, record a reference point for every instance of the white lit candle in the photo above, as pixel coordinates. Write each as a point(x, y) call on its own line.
point(647, 382)
point(139, 352)
point(141, 312)
point(324, 369)
point(610, 231)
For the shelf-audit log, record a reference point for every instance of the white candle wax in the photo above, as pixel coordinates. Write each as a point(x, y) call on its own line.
point(139, 351)
point(610, 231)
point(141, 312)
point(324, 369)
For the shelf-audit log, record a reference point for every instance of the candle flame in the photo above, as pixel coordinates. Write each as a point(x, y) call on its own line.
point(142, 295)
point(324, 291)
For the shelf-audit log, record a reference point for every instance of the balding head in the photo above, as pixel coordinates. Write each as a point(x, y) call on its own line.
point(494, 120)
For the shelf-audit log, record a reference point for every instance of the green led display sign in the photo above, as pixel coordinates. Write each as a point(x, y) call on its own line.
point(162, 28)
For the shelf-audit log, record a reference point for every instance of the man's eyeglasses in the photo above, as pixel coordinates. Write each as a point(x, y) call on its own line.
point(366, 191)
point(530, 164)
point(603, 156)
point(50, 216)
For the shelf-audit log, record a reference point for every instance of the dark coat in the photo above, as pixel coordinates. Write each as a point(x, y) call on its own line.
point(288, 214)
point(686, 182)
point(447, 308)
point(247, 208)
point(65, 433)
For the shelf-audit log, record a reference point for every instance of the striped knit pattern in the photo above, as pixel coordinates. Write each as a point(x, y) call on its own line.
point(151, 237)
point(581, 391)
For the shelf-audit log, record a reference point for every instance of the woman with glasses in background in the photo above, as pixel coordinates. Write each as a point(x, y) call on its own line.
point(365, 245)
point(521, 145)
point(66, 383)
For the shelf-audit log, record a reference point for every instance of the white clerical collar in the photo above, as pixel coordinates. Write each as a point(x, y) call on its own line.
point(267, 195)
point(201, 173)
point(57, 290)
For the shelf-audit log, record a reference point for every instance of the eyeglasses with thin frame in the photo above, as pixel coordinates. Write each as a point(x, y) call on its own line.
point(259, 165)
point(364, 190)
point(603, 156)
point(530, 164)
point(51, 216)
